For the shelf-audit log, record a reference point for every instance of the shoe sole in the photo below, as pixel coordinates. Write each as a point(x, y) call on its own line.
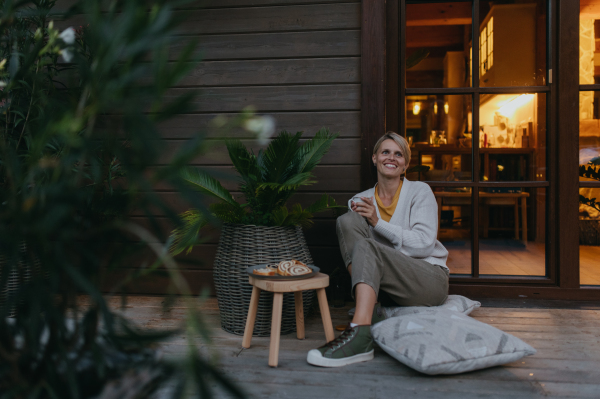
point(316, 359)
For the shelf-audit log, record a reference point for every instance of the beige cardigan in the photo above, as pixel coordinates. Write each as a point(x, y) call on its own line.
point(413, 227)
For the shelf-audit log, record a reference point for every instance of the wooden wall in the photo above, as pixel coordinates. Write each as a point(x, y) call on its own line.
point(297, 60)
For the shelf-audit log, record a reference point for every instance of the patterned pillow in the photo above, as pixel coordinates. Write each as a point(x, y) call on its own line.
point(442, 341)
point(457, 303)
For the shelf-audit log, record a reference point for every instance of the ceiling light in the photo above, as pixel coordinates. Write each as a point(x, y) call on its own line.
point(416, 108)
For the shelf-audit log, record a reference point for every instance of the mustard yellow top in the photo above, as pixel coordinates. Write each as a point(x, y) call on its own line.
point(386, 212)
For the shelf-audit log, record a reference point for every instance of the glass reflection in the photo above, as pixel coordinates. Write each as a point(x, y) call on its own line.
point(439, 128)
point(454, 215)
point(512, 137)
point(512, 231)
point(438, 37)
point(512, 43)
point(589, 33)
point(589, 197)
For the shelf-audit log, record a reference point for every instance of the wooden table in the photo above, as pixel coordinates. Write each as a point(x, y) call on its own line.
point(492, 199)
point(318, 282)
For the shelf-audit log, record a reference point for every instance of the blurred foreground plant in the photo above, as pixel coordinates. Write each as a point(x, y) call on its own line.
point(64, 201)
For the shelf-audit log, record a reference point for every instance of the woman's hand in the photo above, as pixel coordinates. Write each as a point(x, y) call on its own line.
point(367, 210)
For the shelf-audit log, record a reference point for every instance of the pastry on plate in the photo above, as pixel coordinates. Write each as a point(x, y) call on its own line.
point(299, 270)
point(283, 267)
point(265, 271)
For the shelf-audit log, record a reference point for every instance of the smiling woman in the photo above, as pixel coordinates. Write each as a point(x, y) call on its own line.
point(391, 231)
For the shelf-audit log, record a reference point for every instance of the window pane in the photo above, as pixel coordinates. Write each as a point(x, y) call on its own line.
point(589, 171)
point(442, 33)
point(589, 33)
point(512, 44)
point(589, 132)
point(512, 137)
point(512, 231)
point(454, 214)
point(439, 130)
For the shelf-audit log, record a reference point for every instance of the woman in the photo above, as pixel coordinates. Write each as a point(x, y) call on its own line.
point(388, 241)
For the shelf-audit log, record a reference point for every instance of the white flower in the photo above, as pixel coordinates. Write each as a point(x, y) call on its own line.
point(68, 36)
point(67, 55)
point(262, 126)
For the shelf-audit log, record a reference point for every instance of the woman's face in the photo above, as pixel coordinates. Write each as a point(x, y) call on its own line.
point(389, 160)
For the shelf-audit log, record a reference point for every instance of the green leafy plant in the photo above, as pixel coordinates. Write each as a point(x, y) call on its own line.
point(590, 171)
point(64, 150)
point(416, 57)
point(267, 181)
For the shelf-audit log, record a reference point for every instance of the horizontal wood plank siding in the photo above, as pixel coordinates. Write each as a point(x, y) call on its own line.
point(342, 97)
point(298, 61)
point(342, 151)
point(275, 72)
point(347, 123)
point(343, 43)
point(271, 19)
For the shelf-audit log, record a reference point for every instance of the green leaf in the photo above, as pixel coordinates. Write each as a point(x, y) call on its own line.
point(206, 184)
point(278, 159)
point(324, 203)
point(301, 179)
point(312, 151)
point(416, 57)
point(227, 212)
point(186, 236)
point(279, 216)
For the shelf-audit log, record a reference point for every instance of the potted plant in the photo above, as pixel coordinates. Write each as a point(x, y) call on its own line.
point(260, 229)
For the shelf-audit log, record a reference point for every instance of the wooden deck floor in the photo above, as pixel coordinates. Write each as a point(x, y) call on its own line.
point(567, 363)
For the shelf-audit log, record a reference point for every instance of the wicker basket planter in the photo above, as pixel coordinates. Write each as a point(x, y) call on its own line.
point(17, 275)
point(242, 246)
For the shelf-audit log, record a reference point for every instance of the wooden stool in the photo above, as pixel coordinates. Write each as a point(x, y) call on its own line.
point(318, 282)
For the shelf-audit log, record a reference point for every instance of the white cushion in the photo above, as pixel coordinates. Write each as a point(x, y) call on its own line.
point(458, 303)
point(442, 341)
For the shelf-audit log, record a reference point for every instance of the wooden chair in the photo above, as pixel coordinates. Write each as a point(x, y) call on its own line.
point(318, 282)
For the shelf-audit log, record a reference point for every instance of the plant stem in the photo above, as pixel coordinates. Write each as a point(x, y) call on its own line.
point(37, 66)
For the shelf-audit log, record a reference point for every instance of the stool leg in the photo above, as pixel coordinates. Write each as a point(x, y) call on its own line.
point(275, 328)
point(324, 307)
point(299, 315)
point(251, 317)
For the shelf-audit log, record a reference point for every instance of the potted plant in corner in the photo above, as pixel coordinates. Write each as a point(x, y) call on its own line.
point(261, 229)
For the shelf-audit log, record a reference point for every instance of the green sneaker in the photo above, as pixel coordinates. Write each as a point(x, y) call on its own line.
point(353, 346)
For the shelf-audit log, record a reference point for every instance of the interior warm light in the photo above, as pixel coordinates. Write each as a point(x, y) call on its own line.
point(500, 168)
point(509, 108)
point(416, 108)
point(446, 107)
point(435, 108)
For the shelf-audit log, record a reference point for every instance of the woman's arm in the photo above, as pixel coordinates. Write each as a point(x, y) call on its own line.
point(419, 240)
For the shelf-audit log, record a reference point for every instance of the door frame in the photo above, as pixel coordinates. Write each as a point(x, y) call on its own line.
point(383, 107)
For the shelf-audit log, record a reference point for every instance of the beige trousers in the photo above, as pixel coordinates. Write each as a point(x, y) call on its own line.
point(395, 277)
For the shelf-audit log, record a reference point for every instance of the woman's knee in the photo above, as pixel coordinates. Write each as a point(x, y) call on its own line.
point(350, 221)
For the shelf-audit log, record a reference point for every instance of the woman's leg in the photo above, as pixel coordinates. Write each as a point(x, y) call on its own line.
point(366, 299)
point(351, 228)
point(407, 281)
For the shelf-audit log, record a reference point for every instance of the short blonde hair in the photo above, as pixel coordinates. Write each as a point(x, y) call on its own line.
point(401, 141)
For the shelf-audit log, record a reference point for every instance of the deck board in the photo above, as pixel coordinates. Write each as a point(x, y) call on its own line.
point(567, 363)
